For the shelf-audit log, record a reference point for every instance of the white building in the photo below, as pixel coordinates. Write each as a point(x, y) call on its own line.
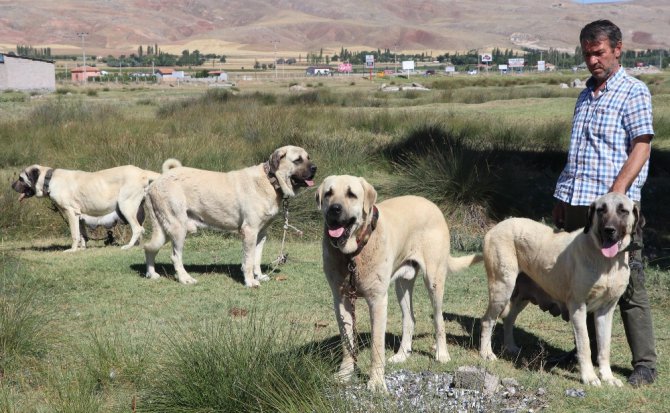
point(26, 73)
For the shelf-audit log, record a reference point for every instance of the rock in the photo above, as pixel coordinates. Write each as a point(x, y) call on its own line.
point(474, 378)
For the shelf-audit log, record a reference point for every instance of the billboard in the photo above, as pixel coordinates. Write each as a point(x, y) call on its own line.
point(369, 61)
point(344, 68)
point(486, 58)
point(408, 65)
point(516, 62)
point(540, 66)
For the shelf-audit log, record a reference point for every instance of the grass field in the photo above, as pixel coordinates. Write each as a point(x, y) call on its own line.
point(85, 332)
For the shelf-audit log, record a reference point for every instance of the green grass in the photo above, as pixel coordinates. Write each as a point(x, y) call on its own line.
point(84, 332)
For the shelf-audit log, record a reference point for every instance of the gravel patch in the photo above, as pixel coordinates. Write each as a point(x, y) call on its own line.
point(420, 392)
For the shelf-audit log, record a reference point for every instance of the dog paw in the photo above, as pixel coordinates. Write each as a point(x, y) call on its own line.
point(377, 385)
point(252, 284)
point(612, 381)
point(344, 375)
point(187, 280)
point(262, 277)
point(591, 380)
point(152, 275)
point(127, 247)
point(443, 357)
point(488, 355)
point(400, 356)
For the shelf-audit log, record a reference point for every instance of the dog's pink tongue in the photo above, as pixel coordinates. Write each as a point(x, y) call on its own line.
point(610, 251)
point(336, 233)
point(21, 196)
point(309, 182)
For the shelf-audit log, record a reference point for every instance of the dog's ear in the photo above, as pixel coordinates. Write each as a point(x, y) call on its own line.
point(370, 196)
point(275, 158)
point(33, 175)
point(319, 196)
point(639, 221)
point(589, 217)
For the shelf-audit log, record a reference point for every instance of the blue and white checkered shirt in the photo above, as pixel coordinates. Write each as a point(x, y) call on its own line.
point(603, 129)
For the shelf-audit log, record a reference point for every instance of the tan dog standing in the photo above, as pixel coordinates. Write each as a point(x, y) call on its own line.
point(581, 272)
point(391, 241)
point(245, 200)
point(101, 198)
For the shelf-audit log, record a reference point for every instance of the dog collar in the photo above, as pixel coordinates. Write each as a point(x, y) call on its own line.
point(365, 236)
point(273, 178)
point(47, 180)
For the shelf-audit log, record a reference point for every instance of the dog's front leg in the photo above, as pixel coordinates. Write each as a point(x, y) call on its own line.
point(378, 304)
point(260, 243)
point(578, 317)
point(73, 222)
point(344, 315)
point(603, 321)
point(249, 240)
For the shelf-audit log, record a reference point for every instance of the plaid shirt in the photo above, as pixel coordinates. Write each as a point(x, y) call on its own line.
point(603, 129)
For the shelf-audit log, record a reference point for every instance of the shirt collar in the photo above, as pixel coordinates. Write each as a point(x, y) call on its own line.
point(613, 80)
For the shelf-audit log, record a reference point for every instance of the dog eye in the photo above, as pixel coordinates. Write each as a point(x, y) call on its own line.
point(298, 161)
point(328, 193)
point(351, 195)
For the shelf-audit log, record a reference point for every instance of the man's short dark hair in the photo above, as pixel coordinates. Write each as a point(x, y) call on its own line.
point(599, 29)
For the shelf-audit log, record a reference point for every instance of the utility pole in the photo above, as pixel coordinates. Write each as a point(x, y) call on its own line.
point(395, 58)
point(274, 42)
point(83, 51)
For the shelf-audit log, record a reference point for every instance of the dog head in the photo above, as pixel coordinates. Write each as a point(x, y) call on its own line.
point(346, 203)
point(292, 168)
point(30, 182)
point(612, 219)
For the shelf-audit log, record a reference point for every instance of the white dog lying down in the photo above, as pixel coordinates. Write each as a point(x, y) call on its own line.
point(585, 271)
point(392, 241)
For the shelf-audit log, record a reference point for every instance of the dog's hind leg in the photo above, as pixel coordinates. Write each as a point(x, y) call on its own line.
point(403, 290)
point(434, 278)
point(516, 306)
point(178, 237)
point(501, 286)
point(128, 209)
point(157, 241)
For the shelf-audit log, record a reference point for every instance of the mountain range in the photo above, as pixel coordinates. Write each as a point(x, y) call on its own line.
point(246, 27)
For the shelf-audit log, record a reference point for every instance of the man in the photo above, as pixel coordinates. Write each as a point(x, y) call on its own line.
point(609, 152)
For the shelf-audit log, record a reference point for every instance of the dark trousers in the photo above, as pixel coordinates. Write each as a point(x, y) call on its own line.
point(634, 303)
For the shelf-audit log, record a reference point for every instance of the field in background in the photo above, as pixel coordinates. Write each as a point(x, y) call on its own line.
point(95, 336)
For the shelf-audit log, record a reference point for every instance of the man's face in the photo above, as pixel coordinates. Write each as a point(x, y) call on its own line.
point(601, 59)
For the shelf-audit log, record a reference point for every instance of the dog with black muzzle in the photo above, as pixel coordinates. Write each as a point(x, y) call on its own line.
point(366, 246)
point(245, 200)
point(567, 273)
point(115, 194)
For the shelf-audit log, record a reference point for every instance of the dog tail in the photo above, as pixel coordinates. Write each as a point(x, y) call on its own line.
point(170, 163)
point(457, 264)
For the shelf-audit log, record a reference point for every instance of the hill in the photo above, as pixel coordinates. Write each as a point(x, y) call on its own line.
point(247, 27)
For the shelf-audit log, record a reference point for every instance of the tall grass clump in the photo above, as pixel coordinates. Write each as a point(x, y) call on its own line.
point(23, 320)
point(237, 365)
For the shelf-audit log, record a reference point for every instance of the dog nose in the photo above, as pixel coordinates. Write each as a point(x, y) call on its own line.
point(334, 210)
point(609, 231)
point(312, 169)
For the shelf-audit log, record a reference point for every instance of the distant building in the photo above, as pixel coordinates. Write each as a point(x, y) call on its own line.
point(168, 75)
point(219, 75)
point(318, 70)
point(83, 73)
point(26, 73)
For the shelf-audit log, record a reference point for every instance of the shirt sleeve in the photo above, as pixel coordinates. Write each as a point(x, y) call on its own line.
point(637, 119)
